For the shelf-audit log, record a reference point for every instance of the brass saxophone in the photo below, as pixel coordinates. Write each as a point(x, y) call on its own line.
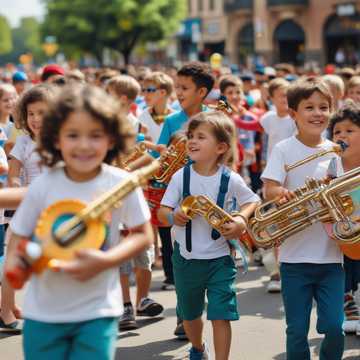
point(328, 201)
point(172, 160)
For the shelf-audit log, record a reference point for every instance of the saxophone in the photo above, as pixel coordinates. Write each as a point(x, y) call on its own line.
point(172, 160)
point(70, 225)
point(213, 214)
point(334, 202)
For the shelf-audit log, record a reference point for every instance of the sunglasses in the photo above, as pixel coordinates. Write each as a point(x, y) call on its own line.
point(150, 89)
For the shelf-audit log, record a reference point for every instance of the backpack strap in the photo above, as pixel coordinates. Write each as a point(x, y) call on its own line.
point(186, 192)
point(224, 185)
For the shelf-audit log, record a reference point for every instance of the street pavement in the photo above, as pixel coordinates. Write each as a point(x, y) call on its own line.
point(258, 335)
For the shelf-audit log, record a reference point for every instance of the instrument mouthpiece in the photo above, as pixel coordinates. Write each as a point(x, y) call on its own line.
point(343, 145)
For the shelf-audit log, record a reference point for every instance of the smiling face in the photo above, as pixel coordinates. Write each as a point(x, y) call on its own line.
point(312, 116)
point(348, 132)
point(7, 102)
point(354, 93)
point(203, 147)
point(152, 94)
point(279, 99)
point(35, 115)
point(233, 95)
point(83, 144)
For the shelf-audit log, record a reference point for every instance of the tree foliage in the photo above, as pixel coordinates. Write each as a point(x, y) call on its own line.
point(116, 24)
point(5, 36)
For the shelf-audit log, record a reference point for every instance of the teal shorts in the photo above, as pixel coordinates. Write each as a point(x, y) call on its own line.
point(90, 340)
point(213, 277)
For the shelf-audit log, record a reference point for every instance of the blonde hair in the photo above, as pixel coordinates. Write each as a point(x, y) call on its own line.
point(161, 81)
point(278, 83)
point(124, 85)
point(335, 82)
point(353, 82)
point(223, 129)
point(6, 88)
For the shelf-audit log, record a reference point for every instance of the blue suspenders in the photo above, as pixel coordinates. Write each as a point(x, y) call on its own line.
point(224, 185)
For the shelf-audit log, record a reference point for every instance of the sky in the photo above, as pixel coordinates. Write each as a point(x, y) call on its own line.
point(16, 9)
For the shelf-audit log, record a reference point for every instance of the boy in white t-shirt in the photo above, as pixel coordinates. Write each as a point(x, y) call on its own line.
point(278, 125)
point(201, 259)
point(157, 89)
point(310, 262)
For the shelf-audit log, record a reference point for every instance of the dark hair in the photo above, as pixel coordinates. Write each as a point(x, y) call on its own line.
point(223, 129)
point(200, 74)
point(39, 93)
point(99, 105)
point(229, 80)
point(303, 88)
point(349, 111)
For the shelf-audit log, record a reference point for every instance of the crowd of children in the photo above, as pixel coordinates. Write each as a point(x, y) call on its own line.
point(63, 138)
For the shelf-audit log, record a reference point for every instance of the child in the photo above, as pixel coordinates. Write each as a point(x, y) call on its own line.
point(157, 89)
point(23, 168)
point(125, 89)
point(30, 112)
point(353, 89)
point(205, 265)
point(7, 104)
point(278, 125)
point(76, 308)
point(345, 126)
point(310, 262)
point(337, 88)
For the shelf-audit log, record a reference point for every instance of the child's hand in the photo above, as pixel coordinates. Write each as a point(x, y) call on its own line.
point(233, 230)
point(160, 148)
point(87, 264)
point(180, 218)
point(286, 196)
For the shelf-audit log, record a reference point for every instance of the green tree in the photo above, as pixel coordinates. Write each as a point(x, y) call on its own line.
point(118, 24)
point(5, 36)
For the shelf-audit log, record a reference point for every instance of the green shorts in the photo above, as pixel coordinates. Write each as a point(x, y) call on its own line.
point(213, 277)
point(90, 340)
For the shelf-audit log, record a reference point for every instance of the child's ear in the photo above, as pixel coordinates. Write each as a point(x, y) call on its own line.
point(222, 148)
point(203, 91)
point(292, 113)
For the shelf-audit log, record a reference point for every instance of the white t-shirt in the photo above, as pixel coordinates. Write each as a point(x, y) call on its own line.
point(134, 121)
point(154, 130)
point(56, 297)
point(311, 245)
point(3, 162)
point(24, 150)
point(203, 246)
point(277, 128)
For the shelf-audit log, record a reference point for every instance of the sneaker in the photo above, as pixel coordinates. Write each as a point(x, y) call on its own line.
point(127, 320)
point(167, 285)
point(351, 314)
point(195, 354)
point(149, 307)
point(274, 286)
point(180, 331)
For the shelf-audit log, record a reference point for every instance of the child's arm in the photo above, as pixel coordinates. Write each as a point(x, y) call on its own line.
point(90, 262)
point(11, 198)
point(273, 190)
point(14, 172)
point(169, 217)
point(235, 229)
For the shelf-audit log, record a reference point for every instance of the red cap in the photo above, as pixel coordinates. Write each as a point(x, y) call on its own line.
point(52, 69)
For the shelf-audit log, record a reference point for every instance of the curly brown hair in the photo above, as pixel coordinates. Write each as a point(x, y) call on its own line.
point(39, 93)
point(101, 106)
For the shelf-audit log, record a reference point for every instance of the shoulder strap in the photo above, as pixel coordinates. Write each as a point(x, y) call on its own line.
point(224, 185)
point(186, 192)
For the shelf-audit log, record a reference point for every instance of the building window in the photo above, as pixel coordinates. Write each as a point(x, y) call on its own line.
point(200, 6)
point(212, 5)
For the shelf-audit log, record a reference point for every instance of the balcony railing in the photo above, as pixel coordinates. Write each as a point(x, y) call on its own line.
point(287, 2)
point(233, 5)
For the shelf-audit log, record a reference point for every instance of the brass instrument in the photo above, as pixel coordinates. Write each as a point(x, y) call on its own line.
point(139, 150)
point(337, 149)
point(328, 201)
point(172, 160)
point(214, 215)
point(70, 225)
point(224, 106)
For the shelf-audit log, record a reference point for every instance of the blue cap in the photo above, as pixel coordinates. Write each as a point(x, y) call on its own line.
point(19, 76)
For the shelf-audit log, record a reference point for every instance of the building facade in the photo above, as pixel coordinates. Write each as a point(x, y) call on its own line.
point(294, 31)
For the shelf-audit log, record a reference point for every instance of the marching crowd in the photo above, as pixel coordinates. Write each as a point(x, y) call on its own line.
point(66, 134)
